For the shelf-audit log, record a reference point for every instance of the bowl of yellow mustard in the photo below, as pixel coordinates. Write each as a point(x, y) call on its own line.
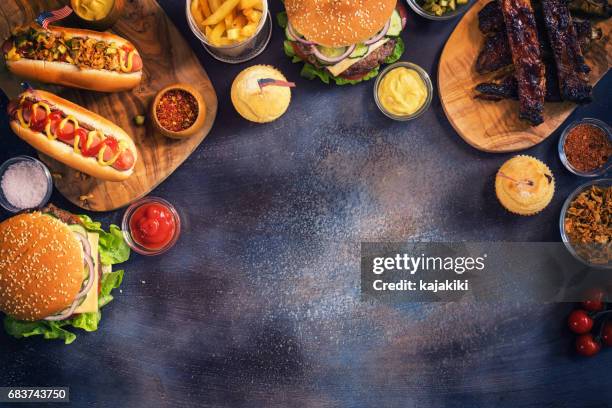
point(403, 91)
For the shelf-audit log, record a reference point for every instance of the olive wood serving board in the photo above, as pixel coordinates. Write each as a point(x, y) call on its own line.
point(167, 59)
point(495, 126)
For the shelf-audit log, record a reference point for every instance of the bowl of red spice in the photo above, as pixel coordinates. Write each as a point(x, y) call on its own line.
point(585, 147)
point(178, 111)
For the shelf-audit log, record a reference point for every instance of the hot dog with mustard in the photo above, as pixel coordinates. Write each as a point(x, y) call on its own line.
point(73, 135)
point(86, 59)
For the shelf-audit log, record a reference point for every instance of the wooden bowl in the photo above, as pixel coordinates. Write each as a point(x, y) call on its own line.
point(195, 126)
point(105, 23)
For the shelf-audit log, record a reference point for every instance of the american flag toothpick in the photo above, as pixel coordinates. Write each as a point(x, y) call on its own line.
point(47, 17)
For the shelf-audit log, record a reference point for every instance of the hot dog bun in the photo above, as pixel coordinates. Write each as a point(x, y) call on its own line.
point(65, 153)
point(64, 73)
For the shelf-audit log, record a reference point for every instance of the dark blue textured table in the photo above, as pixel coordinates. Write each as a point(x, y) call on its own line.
point(258, 304)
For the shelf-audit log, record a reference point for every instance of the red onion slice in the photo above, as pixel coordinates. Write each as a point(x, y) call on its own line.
point(64, 315)
point(85, 243)
point(380, 34)
point(90, 279)
point(329, 60)
point(297, 37)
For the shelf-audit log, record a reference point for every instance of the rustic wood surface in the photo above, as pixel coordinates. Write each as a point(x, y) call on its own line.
point(495, 126)
point(167, 59)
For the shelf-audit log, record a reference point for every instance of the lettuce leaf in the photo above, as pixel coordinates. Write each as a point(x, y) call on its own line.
point(113, 248)
point(55, 330)
point(282, 20)
point(398, 50)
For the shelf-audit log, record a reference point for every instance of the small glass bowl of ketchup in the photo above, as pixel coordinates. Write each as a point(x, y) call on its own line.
point(151, 226)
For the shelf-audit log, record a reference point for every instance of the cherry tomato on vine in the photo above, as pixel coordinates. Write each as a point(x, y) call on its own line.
point(587, 346)
point(580, 322)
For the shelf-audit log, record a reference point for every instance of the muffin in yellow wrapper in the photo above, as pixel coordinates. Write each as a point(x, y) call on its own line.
point(258, 104)
point(524, 185)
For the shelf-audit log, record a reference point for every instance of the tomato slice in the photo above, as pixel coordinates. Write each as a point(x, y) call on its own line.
point(125, 161)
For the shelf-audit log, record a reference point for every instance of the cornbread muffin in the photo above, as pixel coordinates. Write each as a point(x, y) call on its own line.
point(260, 104)
point(524, 185)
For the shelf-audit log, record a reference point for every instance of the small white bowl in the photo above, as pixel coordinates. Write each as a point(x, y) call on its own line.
point(19, 159)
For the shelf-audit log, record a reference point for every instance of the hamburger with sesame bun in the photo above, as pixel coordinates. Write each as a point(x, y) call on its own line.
point(343, 40)
point(55, 271)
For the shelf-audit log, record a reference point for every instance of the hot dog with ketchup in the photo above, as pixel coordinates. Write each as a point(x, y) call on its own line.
point(86, 59)
point(73, 135)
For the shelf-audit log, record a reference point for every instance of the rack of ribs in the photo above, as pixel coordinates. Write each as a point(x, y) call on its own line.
point(572, 72)
point(495, 53)
point(525, 48)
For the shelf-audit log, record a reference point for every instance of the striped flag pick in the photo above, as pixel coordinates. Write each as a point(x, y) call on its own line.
point(263, 82)
point(47, 17)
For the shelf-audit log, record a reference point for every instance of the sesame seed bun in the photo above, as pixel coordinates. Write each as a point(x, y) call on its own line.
point(339, 23)
point(41, 266)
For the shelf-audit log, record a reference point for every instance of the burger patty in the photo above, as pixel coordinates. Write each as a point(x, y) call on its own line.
point(372, 61)
point(65, 216)
point(361, 68)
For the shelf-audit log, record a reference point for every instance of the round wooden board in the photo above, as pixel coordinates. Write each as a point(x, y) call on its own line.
point(495, 126)
point(167, 59)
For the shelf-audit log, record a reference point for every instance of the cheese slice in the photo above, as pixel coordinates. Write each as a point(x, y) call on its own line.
point(90, 304)
point(346, 63)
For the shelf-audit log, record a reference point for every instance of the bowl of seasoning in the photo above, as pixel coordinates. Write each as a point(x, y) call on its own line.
point(585, 147)
point(25, 183)
point(586, 223)
point(403, 91)
point(439, 10)
point(178, 111)
point(151, 226)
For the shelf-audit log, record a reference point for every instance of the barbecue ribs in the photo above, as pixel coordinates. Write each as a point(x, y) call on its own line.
point(525, 48)
point(572, 72)
point(495, 53)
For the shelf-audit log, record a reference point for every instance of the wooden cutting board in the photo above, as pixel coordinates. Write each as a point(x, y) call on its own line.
point(495, 126)
point(167, 59)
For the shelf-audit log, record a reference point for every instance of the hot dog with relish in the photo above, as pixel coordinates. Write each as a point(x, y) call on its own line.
point(86, 59)
point(73, 135)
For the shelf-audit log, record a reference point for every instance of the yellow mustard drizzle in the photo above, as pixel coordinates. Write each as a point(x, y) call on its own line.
point(61, 125)
point(20, 117)
point(91, 135)
point(46, 107)
point(112, 159)
point(13, 55)
point(130, 60)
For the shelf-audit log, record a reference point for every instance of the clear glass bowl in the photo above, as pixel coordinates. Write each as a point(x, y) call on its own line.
point(4, 202)
point(594, 173)
point(424, 76)
point(239, 52)
point(459, 10)
point(127, 234)
point(604, 182)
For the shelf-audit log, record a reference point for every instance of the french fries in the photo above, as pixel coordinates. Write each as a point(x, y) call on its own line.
point(227, 22)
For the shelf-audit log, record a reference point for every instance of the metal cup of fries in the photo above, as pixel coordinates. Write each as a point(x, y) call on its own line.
point(229, 26)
